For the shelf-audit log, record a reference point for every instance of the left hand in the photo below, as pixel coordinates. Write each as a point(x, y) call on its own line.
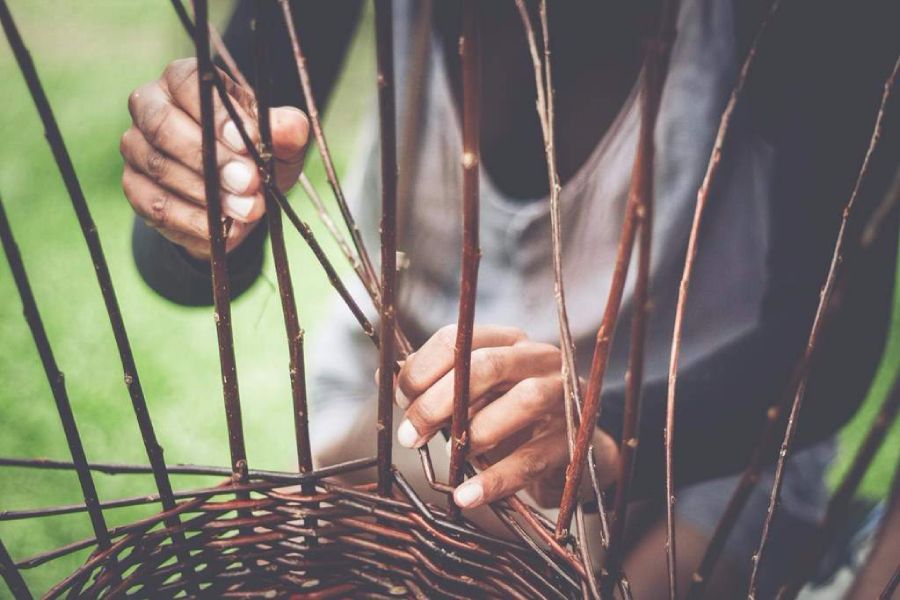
point(516, 413)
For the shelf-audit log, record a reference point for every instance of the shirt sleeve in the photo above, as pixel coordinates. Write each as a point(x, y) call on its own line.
point(178, 277)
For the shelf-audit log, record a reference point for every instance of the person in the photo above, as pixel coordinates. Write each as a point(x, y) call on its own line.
point(793, 153)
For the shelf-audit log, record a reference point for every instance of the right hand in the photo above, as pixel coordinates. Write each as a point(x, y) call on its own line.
point(163, 175)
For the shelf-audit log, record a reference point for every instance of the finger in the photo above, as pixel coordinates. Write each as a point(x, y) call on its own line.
point(491, 369)
point(435, 357)
point(174, 133)
point(184, 182)
point(290, 135)
point(525, 466)
point(528, 402)
point(180, 80)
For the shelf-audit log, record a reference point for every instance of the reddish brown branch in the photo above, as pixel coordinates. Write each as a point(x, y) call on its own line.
point(654, 76)
point(691, 255)
point(363, 268)
point(54, 377)
point(220, 285)
point(279, 252)
point(471, 66)
point(834, 270)
point(384, 43)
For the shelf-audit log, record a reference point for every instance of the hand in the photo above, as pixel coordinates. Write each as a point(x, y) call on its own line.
point(163, 176)
point(516, 413)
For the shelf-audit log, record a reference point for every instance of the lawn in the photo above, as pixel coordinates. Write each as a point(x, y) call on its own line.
point(90, 56)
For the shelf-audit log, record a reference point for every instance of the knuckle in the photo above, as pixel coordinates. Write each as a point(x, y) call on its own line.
point(533, 394)
point(155, 122)
point(446, 337)
point(159, 213)
point(533, 464)
point(157, 165)
point(490, 363)
point(425, 413)
point(178, 72)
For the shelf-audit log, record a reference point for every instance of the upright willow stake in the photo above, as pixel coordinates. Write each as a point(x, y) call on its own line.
point(56, 379)
point(571, 384)
point(221, 289)
point(839, 505)
point(363, 266)
point(384, 44)
point(834, 269)
point(279, 252)
point(637, 203)
point(702, 199)
point(470, 59)
point(654, 75)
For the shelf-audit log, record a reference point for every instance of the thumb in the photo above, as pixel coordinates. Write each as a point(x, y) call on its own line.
point(290, 135)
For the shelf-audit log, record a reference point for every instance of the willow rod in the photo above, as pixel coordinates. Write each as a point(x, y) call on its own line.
point(571, 383)
point(279, 252)
point(703, 193)
point(839, 504)
point(384, 46)
point(470, 60)
point(655, 70)
point(363, 266)
point(56, 380)
point(219, 266)
point(834, 269)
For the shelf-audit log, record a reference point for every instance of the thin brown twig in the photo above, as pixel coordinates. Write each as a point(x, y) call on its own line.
point(654, 76)
point(839, 504)
point(220, 284)
point(364, 268)
point(384, 44)
point(690, 257)
point(55, 378)
point(326, 220)
point(571, 383)
point(470, 59)
point(834, 269)
point(11, 575)
point(891, 586)
point(296, 362)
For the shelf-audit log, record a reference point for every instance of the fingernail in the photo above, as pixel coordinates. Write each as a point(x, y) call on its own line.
point(238, 206)
point(468, 494)
point(401, 399)
point(236, 176)
point(407, 434)
point(233, 137)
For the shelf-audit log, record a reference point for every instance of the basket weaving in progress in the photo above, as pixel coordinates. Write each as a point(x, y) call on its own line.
point(310, 533)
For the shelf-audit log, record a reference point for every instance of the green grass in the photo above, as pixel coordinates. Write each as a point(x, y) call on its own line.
point(90, 56)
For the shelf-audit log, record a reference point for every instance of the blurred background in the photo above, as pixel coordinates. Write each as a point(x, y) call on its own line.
point(90, 55)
